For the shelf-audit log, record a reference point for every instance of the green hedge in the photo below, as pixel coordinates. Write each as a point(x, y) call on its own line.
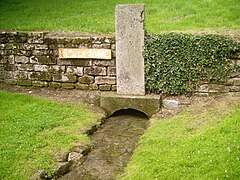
point(177, 63)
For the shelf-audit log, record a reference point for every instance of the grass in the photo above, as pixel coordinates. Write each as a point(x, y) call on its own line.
point(97, 16)
point(33, 131)
point(202, 142)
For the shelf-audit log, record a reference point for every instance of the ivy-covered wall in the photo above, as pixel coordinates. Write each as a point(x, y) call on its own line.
point(183, 63)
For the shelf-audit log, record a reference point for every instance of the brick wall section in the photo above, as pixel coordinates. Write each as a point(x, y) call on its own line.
point(31, 59)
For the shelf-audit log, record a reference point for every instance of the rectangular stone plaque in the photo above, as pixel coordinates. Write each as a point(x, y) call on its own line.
point(80, 53)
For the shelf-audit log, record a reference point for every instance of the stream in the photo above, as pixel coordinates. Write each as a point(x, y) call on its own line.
point(114, 144)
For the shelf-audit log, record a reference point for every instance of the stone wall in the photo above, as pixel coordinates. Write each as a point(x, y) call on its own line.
point(31, 59)
point(232, 84)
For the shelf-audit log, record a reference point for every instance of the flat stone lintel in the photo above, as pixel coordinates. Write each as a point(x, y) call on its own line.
point(111, 102)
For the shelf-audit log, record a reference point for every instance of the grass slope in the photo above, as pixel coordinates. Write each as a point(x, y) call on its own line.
point(98, 15)
point(202, 142)
point(33, 130)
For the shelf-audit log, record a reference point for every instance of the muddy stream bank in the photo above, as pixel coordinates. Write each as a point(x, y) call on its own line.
point(114, 144)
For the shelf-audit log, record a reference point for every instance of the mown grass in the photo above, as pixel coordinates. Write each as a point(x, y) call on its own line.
point(98, 15)
point(202, 142)
point(33, 131)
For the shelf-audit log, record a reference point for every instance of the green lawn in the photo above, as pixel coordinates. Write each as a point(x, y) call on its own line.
point(33, 131)
point(202, 142)
point(98, 15)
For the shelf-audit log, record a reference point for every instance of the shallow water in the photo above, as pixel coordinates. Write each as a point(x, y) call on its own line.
point(114, 144)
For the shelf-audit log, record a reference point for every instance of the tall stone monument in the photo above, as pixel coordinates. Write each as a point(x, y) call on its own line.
point(129, 49)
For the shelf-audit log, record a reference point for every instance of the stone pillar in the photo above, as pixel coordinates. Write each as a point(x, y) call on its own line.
point(129, 49)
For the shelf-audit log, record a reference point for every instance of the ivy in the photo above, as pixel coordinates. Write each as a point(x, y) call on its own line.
point(177, 63)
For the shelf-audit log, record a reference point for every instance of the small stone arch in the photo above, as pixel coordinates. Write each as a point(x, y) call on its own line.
point(148, 104)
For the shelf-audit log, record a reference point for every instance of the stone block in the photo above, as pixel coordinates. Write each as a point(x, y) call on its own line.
point(64, 78)
point(23, 34)
point(83, 149)
point(170, 104)
point(24, 82)
point(33, 60)
point(218, 88)
point(20, 75)
point(11, 67)
point(105, 87)
point(74, 156)
point(112, 102)
point(10, 81)
point(2, 67)
point(2, 46)
point(93, 87)
point(21, 59)
point(105, 80)
point(213, 88)
point(82, 86)
point(95, 71)
point(21, 39)
point(54, 85)
point(28, 47)
point(11, 34)
point(236, 81)
point(235, 75)
point(43, 76)
point(238, 62)
point(111, 71)
point(45, 59)
point(8, 52)
point(41, 68)
point(41, 47)
point(86, 80)
point(104, 63)
point(25, 67)
point(39, 84)
point(3, 39)
point(114, 88)
point(129, 52)
point(62, 168)
point(82, 40)
point(8, 74)
point(11, 59)
point(68, 85)
point(40, 52)
point(3, 60)
point(74, 62)
point(36, 38)
point(22, 52)
point(101, 46)
point(57, 69)
point(234, 88)
point(10, 46)
point(78, 71)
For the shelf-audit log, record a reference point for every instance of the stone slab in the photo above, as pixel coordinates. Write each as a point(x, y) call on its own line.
point(83, 53)
point(111, 102)
point(129, 49)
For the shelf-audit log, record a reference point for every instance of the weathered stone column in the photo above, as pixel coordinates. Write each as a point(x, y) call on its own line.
point(129, 48)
